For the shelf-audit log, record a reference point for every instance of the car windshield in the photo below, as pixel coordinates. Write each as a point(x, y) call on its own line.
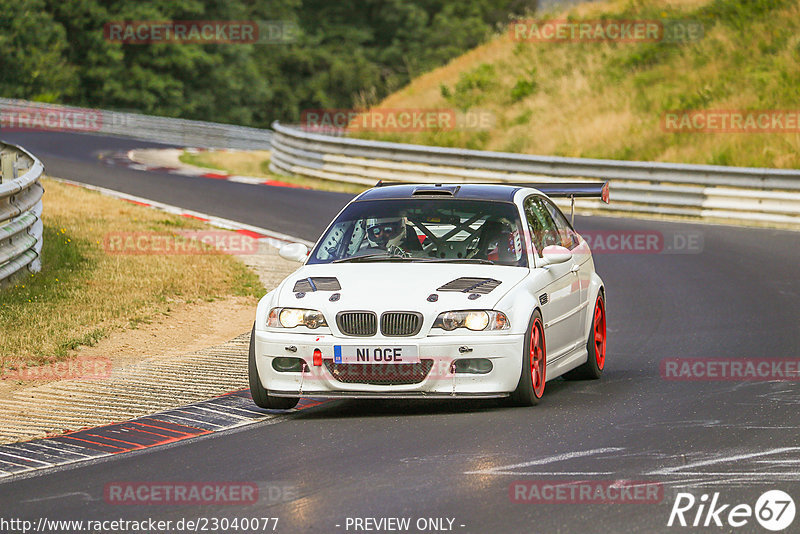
point(424, 230)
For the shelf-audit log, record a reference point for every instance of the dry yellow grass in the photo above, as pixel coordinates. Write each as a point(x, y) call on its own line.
point(244, 163)
point(256, 163)
point(607, 100)
point(83, 293)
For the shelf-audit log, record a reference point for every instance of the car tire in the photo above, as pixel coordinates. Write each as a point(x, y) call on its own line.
point(595, 346)
point(261, 396)
point(534, 365)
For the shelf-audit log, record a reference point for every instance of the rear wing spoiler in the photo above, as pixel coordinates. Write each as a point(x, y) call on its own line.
point(572, 190)
point(563, 189)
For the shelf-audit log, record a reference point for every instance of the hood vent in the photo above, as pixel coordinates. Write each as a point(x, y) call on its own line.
point(318, 283)
point(466, 284)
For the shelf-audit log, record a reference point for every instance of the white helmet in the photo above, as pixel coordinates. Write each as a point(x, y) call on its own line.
point(386, 232)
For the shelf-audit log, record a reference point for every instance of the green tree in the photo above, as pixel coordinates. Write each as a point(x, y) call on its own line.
point(32, 54)
point(347, 52)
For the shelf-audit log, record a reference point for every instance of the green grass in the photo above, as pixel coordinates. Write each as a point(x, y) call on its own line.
point(67, 260)
point(201, 159)
point(256, 163)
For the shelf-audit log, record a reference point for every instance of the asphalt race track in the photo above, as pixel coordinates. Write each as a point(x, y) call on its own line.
point(736, 295)
point(76, 157)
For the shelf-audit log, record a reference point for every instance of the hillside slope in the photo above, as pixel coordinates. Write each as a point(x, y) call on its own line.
point(608, 100)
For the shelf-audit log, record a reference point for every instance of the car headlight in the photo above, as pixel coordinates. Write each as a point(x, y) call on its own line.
point(473, 320)
point(292, 317)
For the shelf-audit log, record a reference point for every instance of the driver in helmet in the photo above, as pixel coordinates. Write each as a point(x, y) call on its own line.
point(388, 233)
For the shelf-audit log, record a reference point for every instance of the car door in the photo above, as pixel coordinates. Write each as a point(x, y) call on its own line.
point(580, 255)
point(561, 313)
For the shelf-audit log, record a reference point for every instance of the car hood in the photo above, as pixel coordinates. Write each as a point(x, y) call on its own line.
point(395, 286)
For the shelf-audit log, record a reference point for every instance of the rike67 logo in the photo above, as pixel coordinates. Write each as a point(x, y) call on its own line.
point(774, 510)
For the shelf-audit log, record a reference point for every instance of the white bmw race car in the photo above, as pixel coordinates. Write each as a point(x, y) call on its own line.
point(435, 291)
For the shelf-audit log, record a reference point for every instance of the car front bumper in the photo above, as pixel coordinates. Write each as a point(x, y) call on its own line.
point(503, 350)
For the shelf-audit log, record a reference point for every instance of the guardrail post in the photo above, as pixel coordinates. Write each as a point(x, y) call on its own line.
point(8, 166)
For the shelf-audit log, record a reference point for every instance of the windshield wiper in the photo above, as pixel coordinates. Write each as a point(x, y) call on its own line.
point(376, 257)
point(459, 260)
point(387, 257)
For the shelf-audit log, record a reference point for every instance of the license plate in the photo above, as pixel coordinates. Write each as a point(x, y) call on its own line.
point(392, 354)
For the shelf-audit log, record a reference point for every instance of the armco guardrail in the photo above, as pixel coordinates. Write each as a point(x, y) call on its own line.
point(20, 211)
point(697, 191)
point(25, 114)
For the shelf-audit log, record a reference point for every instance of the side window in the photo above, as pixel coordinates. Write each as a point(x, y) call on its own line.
point(543, 230)
point(331, 248)
point(568, 237)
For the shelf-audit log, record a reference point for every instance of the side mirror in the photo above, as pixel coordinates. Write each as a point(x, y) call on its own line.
point(294, 252)
point(556, 254)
